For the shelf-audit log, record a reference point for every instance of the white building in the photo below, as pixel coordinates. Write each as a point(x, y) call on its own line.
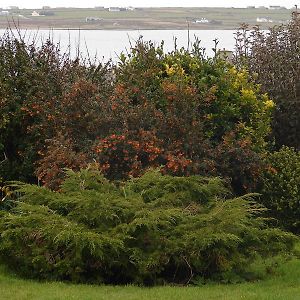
point(201, 21)
point(276, 7)
point(93, 19)
point(4, 13)
point(264, 20)
point(114, 9)
point(35, 14)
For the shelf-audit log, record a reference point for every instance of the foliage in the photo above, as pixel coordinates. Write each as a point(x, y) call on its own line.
point(221, 97)
point(150, 230)
point(201, 113)
point(39, 100)
point(120, 156)
point(281, 188)
point(58, 155)
point(180, 110)
point(273, 60)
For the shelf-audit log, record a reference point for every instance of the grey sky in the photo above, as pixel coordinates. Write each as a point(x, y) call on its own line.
point(145, 3)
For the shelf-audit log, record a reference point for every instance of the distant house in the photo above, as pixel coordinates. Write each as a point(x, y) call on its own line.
point(201, 21)
point(277, 7)
point(264, 20)
point(46, 7)
point(284, 21)
point(4, 13)
point(35, 14)
point(114, 9)
point(14, 7)
point(130, 8)
point(251, 7)
point(93, 19)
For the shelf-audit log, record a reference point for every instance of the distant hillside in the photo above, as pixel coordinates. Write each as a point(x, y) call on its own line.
point(145, 18)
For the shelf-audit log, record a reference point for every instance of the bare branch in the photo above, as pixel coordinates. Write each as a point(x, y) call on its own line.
point(5, 158)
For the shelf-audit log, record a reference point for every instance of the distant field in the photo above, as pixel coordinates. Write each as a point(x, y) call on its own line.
point(147, 18)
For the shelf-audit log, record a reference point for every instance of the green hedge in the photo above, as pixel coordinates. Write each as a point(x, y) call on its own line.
point(151, 230)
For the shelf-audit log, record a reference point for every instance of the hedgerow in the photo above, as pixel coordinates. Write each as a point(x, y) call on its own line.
point(180, 110)
point(150, 230)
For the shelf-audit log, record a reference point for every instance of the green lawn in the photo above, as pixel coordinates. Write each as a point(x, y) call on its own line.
point(284, 286)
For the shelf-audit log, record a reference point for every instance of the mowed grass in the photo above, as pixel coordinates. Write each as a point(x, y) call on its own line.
point(285, 285)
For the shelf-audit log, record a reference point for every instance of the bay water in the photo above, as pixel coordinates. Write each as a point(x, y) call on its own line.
point(108, 44)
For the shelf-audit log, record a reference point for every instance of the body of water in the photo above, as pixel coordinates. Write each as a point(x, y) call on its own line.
point(108, 44)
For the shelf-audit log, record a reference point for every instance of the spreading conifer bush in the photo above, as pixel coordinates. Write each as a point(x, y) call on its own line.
point(150, 230)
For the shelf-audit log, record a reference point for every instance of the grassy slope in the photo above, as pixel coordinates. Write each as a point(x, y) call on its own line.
point(151, 18)
point(285, 286)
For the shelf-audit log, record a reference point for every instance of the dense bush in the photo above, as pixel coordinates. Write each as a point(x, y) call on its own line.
point(281, 188)
point(150, 230)
point(273, 60)
point(180, 110)
point(38, 100)
point(204, 116)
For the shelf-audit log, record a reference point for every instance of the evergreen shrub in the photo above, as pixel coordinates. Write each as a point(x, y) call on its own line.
point(151, 230)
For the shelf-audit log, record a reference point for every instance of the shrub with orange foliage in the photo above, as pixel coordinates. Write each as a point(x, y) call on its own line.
point(128, 154)
point(43, 92)
point(58, 156)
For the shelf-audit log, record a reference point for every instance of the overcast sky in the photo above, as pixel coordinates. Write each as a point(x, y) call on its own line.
point(145, 3)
